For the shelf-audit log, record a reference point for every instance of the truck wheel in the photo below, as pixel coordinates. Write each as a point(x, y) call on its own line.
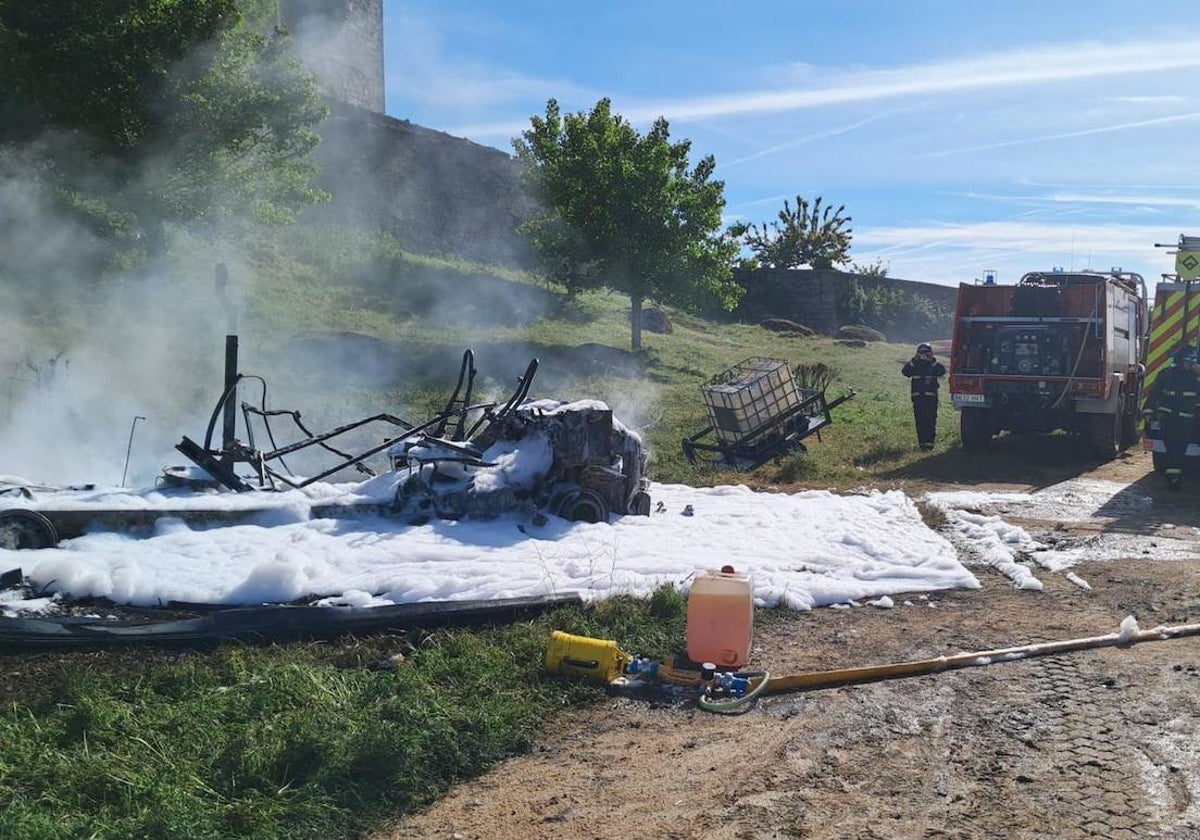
point(974, 428)
point(26, 529)
point(1104, 435)
point(1160, 462)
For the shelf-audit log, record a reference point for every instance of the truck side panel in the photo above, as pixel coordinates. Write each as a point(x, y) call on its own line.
point(1174, 320)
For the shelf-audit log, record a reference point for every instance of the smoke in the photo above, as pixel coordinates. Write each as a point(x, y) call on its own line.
point(89, 348)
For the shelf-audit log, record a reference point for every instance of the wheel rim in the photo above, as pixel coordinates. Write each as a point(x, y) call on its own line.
point(584, 506)
point(26, 529)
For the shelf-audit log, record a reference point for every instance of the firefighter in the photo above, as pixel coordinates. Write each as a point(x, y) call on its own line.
point(923, 371)
point(1174, 401)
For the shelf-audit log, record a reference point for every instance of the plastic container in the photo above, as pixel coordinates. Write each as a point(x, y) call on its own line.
point(720, 618)
point(744, 401)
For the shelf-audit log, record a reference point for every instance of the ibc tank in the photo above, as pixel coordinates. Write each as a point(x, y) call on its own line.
point(720, 618)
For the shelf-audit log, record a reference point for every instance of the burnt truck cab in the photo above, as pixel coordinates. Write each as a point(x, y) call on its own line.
point(1056, 350)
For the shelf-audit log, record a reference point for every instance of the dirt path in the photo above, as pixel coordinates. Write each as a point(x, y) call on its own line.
point(1102, 743)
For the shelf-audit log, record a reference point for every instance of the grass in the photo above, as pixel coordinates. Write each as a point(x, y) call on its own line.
point(328, 741)
point(299, 741)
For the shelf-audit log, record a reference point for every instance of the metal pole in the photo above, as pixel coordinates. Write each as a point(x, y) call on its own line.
point(129, 448)
point(231, 362)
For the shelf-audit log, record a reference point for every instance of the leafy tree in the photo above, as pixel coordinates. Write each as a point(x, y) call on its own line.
point(146, 112)
point(625, 212)
point(807, 236)
point(875, 269)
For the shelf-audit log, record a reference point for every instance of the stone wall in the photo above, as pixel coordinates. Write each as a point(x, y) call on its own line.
point(815, 297)
point(341, 41)
point(437, 194)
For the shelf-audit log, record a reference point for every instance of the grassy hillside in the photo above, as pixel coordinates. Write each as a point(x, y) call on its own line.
point(427, 312)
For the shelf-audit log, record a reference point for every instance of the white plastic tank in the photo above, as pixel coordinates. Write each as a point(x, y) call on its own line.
point(720, 618)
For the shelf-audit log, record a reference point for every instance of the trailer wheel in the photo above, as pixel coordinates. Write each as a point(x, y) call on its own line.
point(583, 505)
point(1104, 434)
point(974, 428)
point(26, 529)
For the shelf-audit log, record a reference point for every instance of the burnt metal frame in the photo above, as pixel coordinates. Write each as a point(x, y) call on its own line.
point(219, 464)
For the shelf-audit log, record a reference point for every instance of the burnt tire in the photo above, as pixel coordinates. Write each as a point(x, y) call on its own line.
point(640, 506)
point(583, 505)
point(974, 428)
point(26, 529)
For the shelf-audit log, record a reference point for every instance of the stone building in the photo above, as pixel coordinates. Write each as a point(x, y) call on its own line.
point(436, 194)
point(341, 41)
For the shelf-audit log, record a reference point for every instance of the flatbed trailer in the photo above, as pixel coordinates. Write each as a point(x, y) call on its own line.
point(758, 413)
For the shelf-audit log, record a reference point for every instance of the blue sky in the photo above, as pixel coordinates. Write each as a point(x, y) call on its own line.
point(961, 136)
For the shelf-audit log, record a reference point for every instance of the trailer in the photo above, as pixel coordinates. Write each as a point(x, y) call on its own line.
point(580, 464)
point(757, 413)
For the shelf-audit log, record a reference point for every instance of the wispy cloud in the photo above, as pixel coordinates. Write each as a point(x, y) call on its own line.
point(959, 252)
point(1133, 200)
point(1065, 135)
point(1149, 100)
point(818, 135)
point(1020, 67)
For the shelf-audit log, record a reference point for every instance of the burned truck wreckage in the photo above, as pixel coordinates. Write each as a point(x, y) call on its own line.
point(473, 459)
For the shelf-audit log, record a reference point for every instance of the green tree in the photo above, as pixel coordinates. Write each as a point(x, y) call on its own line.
point(146, 112)
point(875, 269)
point(809, 235)
point(625, 212)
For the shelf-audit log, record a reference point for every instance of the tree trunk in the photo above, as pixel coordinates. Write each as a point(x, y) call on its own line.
point(635, 318)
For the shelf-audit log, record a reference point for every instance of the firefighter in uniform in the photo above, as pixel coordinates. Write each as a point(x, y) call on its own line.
point(1174, 401)
point(923, 371)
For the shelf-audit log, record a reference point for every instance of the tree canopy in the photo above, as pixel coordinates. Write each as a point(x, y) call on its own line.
point(145, 112)
point(624, 211)
point(806, 236)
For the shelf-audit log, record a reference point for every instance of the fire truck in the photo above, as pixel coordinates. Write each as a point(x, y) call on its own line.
point(1056, 350)
point(1174, 322)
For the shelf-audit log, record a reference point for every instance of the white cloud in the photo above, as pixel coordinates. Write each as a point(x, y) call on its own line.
point(1065, 135)
point(1021, 67)
point(952, 253)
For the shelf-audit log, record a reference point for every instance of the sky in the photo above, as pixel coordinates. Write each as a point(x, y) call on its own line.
point(961, 137)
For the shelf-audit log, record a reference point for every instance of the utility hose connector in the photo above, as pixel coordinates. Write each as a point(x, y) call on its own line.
point(723, 692)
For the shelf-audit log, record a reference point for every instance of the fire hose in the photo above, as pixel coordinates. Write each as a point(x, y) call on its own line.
point(733, 693)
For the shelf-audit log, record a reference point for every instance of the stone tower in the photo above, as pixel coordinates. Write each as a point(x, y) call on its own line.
point(341, 41)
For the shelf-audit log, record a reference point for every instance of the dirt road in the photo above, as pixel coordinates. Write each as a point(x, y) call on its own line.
point(1102, 743)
